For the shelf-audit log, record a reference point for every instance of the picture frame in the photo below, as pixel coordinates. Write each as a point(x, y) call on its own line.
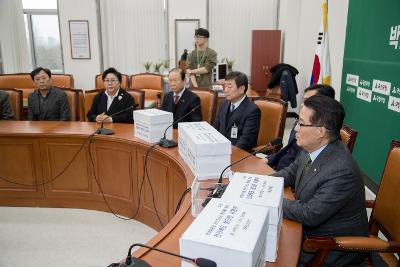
point(79, 39)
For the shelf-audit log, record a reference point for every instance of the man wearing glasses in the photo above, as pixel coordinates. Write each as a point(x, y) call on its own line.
point(285, 156)
point(329, 191)
point(201, 61)
point(46, 103)
point(111, 101)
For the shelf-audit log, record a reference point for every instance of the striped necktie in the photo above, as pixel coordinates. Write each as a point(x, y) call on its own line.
point(176, 99)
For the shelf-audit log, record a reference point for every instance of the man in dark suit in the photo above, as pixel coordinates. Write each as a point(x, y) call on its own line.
point(285, 156)
point(238, 118)
point(6, 111)
point(112, 100)
point(46, 103)
point(329, 191)
point(180, 101)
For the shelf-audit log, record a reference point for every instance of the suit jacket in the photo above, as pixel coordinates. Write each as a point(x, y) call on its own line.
point(285, 156)
point(329, 199)
point(6, 112)
point(186, 103)
point(55, 106)
point(122, 101)
point(246, 118)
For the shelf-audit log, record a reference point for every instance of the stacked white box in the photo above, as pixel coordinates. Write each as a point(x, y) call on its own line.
point(150, 124)
point(204, 149)
point(228, 232)
point(185, 128)
point(260, 190)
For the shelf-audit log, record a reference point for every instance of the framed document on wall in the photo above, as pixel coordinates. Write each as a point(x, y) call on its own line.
point(79, 38)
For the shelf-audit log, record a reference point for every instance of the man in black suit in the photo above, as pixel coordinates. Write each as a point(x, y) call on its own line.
point(285, 156)
point(181, 100)
point(6, 111)
point(46, 103)
point(329, 190)
point(238, 118)
point(112, 100)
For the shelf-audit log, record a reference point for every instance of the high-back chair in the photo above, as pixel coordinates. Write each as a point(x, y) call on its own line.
point(24, 82)
point(385, 218)
point(348, 136)
point(273, 119)
point(15, 102)
point(138, 95)
point(100, 85)
point(152, 84)
point(73, 102)
point(89, 96)
point(208, 100)
point(81, 105)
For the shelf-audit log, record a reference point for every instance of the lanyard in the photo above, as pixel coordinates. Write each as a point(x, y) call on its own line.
point(202, 57)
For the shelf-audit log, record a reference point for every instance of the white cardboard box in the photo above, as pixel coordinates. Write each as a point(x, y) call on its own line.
point(229, 233)
point(204, 149)
point(150, 124)
point(185, 129)
point(261, 190)
point(208, 153)
point(272, 242)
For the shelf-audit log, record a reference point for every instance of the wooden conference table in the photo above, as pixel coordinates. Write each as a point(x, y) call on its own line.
point(34, 152)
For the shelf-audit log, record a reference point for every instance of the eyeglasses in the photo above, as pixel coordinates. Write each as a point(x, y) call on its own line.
point(110, 81)
point(298, 123)
point(199, 37)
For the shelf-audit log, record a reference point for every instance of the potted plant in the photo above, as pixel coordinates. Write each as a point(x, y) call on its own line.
point(166, 67)
point(147, 65)
point(157, 67)
point(228, 62)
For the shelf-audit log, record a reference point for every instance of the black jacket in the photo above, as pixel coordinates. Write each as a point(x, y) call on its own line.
point(121, 102)
point(186, 103)
point(246, 118)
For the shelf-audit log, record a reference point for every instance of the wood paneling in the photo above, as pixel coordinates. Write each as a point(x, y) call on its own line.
point(75, 181)
point(20, 162)
point(265, 53)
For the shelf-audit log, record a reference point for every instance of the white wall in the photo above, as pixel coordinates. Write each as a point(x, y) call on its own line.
point(300, 21)
point(83, 70)
point(184, 9)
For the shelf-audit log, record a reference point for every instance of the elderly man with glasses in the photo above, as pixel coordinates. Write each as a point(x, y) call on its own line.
point(201, 61)
point(329, 191)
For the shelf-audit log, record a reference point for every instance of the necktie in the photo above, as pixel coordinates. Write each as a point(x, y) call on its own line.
point(307, 165)
point(176, 99)
point(232, 107)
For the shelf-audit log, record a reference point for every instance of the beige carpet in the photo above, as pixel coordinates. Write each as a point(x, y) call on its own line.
point(65, 237)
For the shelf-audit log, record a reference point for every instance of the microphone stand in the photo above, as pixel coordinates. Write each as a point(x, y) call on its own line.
point(135, 262)
point(220, 188)
point(166, 143)
point(105, 131)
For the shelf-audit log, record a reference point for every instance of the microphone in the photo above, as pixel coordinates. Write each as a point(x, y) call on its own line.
point(164, 142)
point(135, 262)
point(105, 131)
point(219, 189)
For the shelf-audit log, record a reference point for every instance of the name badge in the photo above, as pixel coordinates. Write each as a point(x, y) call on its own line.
point(234, 131)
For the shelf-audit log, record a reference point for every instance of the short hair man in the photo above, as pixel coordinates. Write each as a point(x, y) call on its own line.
point(238, 118)
point(201, 61)
point(46, 103)
point(6, 112)
point(180, 101)
point(285, 156)
point(329, 191)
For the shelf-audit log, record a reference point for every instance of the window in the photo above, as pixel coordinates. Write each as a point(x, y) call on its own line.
point(43, 34)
